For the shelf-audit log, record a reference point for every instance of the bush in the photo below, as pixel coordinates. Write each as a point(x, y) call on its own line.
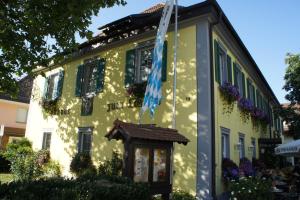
point(230, 170)
point(82, 164)
point(4, 164)
point(182, 195)
point(51, 169)
point(246, 167)
point(252, 188)
point(83, 188)
point(112, 167)
point(25, 163)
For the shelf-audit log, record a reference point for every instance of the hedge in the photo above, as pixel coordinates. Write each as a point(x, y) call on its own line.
point(4, 164)
point(83, 188)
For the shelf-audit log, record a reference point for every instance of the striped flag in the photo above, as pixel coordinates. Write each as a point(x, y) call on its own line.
point(153, 90)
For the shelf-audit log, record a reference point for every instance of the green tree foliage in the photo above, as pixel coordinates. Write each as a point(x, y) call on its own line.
point(291, 114)
point(31, 31)
point(82, 164)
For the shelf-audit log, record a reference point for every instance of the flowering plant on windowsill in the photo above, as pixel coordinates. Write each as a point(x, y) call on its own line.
point(137, 90)
point(246, 108)
point(260, 117)
point(49, 106)
point(230, 94)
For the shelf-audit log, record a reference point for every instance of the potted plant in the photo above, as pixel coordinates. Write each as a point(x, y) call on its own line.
point(246, 108)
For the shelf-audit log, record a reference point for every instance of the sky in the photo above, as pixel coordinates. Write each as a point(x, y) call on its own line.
point(269, 29)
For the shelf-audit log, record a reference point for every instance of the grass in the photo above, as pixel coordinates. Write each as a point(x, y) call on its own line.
point(4, 178)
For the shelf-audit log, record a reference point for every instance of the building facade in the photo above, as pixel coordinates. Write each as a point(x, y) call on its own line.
point(13, 113)
point(73, 108)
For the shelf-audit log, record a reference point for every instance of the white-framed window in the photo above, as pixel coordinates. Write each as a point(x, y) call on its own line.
point(225, 142)
point(53, 86)
point(144, 55)
point(21, 115)
point(241, 145)
point(253, 143)
point(85, 140)
point(46, 140)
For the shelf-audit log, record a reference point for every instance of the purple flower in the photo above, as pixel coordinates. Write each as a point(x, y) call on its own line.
point(246, 167)
point(245, 105)
point(230, 91)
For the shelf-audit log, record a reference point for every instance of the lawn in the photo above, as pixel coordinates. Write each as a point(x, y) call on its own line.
point(4, 178)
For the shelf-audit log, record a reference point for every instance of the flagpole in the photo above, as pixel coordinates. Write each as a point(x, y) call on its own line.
point(175, 65)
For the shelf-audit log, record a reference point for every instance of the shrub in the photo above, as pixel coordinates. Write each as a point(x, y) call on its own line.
point(82, 164)
point(246, 167)
point(25, 163)
point(230, 170)
point(83, 188)
point(252, 188)
point(113, 166)
point(51, 169)
point(4, 164)
point(182, 195)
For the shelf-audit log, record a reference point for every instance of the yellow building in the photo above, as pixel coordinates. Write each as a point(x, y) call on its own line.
point(73, 108)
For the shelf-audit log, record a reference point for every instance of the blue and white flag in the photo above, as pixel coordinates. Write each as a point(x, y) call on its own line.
point(153, 90)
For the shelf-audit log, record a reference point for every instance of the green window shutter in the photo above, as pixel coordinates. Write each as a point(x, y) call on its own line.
point(248, 89)
point(235, 74)
point(217, 62)
point(45, 92)
point(254, 96)
point(164, 62)
point(243, 85)
point(229, 69)
point(271, 115)
point(130, 68)
point(79, 81)
point(60, 83)
point(100, 75)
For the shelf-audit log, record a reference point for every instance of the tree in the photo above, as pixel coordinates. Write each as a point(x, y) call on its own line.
point(291, 113)
point(32, 31)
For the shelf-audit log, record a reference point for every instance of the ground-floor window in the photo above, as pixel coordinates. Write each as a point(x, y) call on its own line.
point(242, 145)
point(225, 145)
point(46, 140)
point(85, 140)
point(253, 144)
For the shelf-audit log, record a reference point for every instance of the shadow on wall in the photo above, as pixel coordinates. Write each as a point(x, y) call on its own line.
point(185, 157)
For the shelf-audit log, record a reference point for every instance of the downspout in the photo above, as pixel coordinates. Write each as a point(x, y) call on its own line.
point(212, 79)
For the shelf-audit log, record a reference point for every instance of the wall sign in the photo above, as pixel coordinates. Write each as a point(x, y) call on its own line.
point(131, 103)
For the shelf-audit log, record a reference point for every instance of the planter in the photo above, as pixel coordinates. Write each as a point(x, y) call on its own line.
point(229, 94)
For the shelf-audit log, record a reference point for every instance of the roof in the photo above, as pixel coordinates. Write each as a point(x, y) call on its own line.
point(127, 131)
point(155, 8)
point(148, 20)
point(24, 93)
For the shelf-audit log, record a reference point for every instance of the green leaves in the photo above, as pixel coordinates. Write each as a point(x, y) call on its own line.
point(33, 31)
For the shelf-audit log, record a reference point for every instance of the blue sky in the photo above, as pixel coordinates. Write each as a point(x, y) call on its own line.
point(268, 28)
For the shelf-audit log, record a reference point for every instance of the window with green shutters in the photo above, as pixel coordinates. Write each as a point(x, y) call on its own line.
point(251, 91)
point(90, 78)
point(223, 66)
point(239, 79)
point(53, 86)
point(139, 63)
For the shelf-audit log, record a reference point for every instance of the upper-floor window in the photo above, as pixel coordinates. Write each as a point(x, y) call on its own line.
point(90, 78)
point(251, 91)
point(223, 66)
point(239, 80)
point(21, 115)
point(85, 140)
point(53, 86)
point(139, 63)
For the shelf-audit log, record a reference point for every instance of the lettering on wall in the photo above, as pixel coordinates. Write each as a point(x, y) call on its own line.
point(131, 103)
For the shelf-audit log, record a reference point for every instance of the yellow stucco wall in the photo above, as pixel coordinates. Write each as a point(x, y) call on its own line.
point(233, 122)
point(64, 128)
